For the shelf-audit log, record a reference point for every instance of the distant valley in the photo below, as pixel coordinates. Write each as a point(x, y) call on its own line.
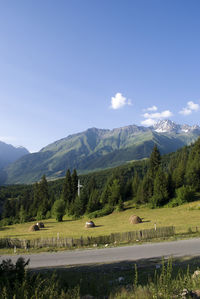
point(96, 149)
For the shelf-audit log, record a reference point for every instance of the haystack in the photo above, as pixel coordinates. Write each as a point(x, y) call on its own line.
point(34, 228)
point(134, 219)
point(40, 224)
point(89, 224)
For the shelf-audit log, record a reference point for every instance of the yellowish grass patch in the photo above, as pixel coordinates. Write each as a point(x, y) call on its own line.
point(182, 218)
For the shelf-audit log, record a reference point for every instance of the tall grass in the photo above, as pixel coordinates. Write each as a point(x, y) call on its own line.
point(16, 283)
point(164, 285)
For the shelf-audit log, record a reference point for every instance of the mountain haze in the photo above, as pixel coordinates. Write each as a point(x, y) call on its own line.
point(96, 149)
point(9, 153)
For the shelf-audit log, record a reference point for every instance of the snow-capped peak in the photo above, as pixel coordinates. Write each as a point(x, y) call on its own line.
point(167, 126)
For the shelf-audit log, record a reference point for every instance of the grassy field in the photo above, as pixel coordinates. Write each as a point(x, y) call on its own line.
point(183, 218)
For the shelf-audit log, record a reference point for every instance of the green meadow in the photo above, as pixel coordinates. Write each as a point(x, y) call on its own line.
point(183, 218)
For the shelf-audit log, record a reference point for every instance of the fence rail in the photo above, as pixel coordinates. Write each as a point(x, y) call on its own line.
point(114, 238)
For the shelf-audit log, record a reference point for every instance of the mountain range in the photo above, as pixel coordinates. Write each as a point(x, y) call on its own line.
point(9, 153)
point(96, 149)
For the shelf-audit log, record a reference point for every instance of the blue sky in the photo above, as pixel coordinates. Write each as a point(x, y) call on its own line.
point(69, 65)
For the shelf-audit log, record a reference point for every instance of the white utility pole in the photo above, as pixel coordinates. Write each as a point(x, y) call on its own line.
point(79, 187)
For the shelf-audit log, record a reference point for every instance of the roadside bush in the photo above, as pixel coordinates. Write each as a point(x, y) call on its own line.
point(166, 284)
point(10, 274)
point(16, 283)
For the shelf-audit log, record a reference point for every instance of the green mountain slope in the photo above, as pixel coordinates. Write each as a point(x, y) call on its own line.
point(93, 149)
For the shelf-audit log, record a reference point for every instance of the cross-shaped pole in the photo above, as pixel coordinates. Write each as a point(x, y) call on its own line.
point(79, 187)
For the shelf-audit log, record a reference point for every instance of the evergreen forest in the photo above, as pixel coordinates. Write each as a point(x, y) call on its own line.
point(170, 179)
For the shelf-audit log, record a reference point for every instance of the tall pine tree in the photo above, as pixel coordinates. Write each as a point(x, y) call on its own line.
point(43, 193)
point(74, 182)
point(154, 162)
point(160, 192)
point(193, 166)
point(67, 190)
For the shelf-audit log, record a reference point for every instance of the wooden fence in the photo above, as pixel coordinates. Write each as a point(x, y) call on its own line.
point(125, 237)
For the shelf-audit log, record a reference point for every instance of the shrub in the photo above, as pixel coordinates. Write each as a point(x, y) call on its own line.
point(8, 221)
point(58, 209)
point(185, 194)
point(15, 282)
point(100, 213)
point(48, 215)
point(175, 202)
point(120, 206)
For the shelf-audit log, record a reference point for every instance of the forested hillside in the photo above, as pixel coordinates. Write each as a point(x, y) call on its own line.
point(171, 179)
point(97, 149)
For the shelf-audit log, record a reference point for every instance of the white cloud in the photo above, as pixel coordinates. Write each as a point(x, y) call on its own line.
point(185, 111)
point(153, 108)
point(191, 107)
point(119, 101)
point(158, 115)
point(148, 122)
point(152, 118)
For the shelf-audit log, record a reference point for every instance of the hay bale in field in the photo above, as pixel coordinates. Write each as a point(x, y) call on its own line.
point(89, 224)
point(134, 219)
point(33, 228)
point(40, 224)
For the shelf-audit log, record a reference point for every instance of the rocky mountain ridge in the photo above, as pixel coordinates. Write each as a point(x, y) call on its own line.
point(168, 126)
point(96, 149)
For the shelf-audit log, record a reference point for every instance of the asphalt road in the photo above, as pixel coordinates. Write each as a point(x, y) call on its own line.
point(189, 247)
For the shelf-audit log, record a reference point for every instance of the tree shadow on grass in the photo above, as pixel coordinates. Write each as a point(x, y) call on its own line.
point(65, 220)
point(143, 221)
point(127, 208)
point(4, 228)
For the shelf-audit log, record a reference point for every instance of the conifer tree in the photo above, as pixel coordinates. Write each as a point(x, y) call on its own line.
point(36, 199)
point(160, 193)
point(22, 214)
point(147, 188)
point(193, 166)
point(77, 207)
point(114, 193)
point(139, 196)
point(170, 185)
point(135, 184)
point(67, 189)
point(106, 192)
point(148, 180)
point(7, 211)
point(93, 203)
point(74, 182)
point(179, 167)
point(91, 185)
point(43, 193)
point(154, 162)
